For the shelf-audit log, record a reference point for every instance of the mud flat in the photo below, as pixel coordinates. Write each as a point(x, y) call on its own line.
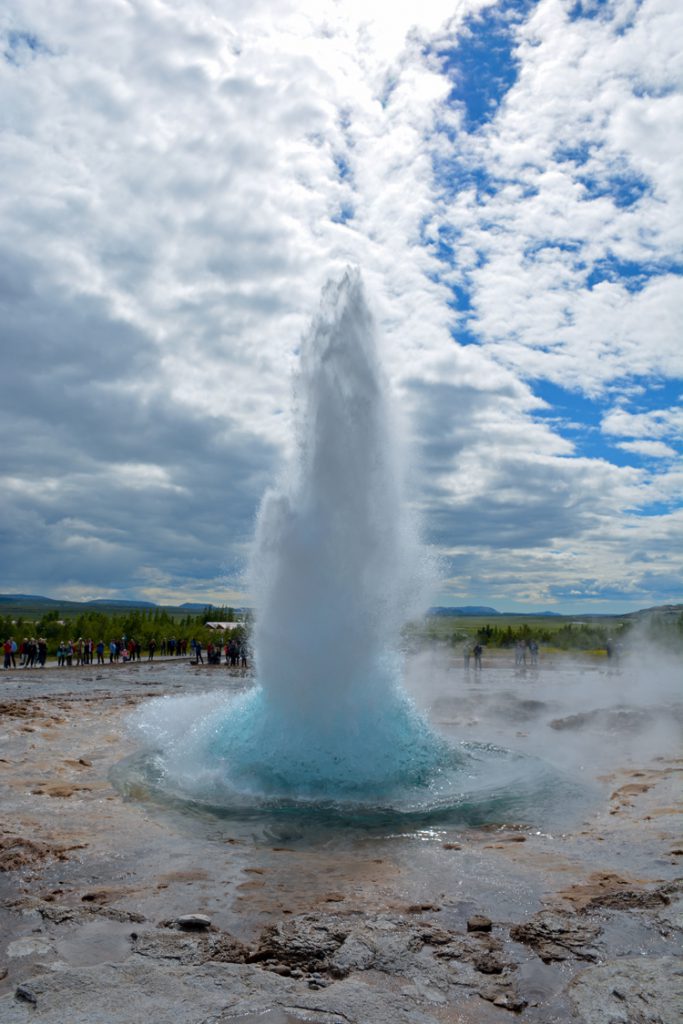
point(115, 908)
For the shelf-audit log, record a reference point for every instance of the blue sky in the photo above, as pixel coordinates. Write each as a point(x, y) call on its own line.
point(179, 182)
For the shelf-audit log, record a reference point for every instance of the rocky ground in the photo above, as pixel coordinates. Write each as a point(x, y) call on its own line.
point(117, 910)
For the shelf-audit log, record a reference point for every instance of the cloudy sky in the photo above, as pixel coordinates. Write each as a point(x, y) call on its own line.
point(178, 178)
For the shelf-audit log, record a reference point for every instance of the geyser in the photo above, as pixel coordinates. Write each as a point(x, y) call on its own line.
point(336, 571)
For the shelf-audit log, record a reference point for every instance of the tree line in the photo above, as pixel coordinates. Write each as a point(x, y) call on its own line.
point(664, 631)
point(141, 623)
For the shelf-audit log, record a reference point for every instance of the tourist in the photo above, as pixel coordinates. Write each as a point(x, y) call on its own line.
point(477, 655)
point(100, 652)
point(7, 650)
point(151, 649)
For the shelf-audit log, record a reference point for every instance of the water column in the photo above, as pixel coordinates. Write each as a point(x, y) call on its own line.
point(336, 570)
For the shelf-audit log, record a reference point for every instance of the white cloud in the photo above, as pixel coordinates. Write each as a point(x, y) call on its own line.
point(176, 186)
point(657, 423)
point(585, 151)
point(652, 449)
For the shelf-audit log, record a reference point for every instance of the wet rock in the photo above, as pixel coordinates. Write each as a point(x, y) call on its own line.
point(353, 955)
point(19, 852)
point(642, 990)
point(479, 923)
point(510, 1001)
point(190, 947)
point(58, 913)
point(281, 969)
point(303, 942)
point(225, 948)
point(619, 720)
point(488, 963)
point(193, 922)
point(433, 936)
point(29, 946)
point(556, 936)
point(160, 946)
point(26, 995)
point(636, 899)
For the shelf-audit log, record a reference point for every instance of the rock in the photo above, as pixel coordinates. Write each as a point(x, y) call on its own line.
point(555, 936)
point(25, 995)
point(281, 969)
point(28, 946)
point(352, 955)
point(488, 963)
point(303, 942)
point(642, 990)
point(193, 922)
point(479, 923)
point(20, 852)
point(434, 936)
point(510, 1001)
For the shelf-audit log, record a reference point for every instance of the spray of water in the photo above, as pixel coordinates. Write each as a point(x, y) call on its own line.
point(336, 571)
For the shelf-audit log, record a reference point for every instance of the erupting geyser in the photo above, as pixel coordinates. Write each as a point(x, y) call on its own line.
point(336, 571)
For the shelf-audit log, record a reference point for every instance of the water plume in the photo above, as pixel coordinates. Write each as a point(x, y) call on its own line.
point(337, 568)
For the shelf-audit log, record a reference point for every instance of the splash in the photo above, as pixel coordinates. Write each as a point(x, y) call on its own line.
point(336, 570)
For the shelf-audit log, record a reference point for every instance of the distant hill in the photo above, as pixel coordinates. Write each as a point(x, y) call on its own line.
point(660, 609)
point(112, 603)
point(33, 606)
point(470, 609)
point(479, 610)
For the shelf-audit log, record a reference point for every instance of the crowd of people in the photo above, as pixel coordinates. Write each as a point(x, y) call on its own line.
point(32, 652)
point(526, 653)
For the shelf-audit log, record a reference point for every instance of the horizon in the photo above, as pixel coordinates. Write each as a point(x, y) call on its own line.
point(179, 184)
point(242, 606)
